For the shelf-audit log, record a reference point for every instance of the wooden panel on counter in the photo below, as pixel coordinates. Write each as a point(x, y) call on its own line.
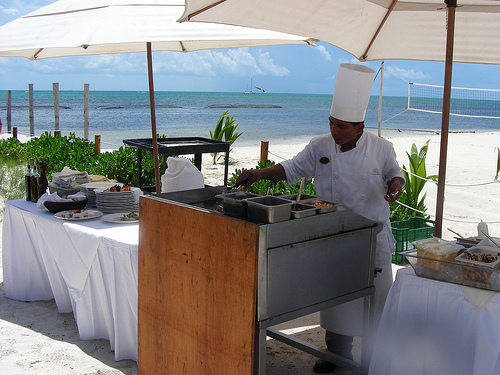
point(197, 291)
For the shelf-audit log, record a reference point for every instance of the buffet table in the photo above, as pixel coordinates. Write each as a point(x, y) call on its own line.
point(88, 267)
point(430, 327)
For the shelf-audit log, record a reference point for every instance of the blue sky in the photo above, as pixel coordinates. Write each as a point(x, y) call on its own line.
point(279, 69)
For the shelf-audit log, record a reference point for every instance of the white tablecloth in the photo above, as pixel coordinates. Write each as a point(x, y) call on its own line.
point(428, 327)
point(89, 267)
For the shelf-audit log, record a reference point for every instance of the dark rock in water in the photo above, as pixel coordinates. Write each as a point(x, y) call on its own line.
point(244, 106)
point(134, 106)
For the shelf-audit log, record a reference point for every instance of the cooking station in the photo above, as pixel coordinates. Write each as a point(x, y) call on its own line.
point(212, 285)
point(179, 146)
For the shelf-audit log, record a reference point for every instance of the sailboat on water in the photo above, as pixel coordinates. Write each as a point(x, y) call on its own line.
point(251, 86)
point(249, 92)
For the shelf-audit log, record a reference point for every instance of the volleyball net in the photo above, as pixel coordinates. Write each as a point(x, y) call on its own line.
point(465, 102)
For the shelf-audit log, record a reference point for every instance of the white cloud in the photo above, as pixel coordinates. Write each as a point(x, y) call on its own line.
point(323, 52)
point(239, 62)
point(50, 66)
point(114, 63)
point(197, 63)
point(405, 74)
point(269, 67)
point(8, 11)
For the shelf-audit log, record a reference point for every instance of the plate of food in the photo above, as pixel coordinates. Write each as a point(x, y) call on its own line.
point(122, 218)
point(78, 214)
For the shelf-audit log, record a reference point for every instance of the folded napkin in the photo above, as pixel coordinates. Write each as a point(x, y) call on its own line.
point(54, 197)
point(478, 298)
point(99, 178)
point(67, 172)
point(69, 178)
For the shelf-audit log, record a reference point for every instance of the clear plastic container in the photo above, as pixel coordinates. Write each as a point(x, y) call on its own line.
point(432, 249)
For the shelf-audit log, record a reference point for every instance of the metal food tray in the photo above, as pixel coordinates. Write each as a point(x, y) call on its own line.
point(300, 210)
point(234, 204)
point(456, 273)
point(269, 209)
point(293, 197)
point(333, 206)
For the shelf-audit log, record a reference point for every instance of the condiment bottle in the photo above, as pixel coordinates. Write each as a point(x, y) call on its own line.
point(482, 227)
point(42, 180)
point(34, 184)
point(27, 182)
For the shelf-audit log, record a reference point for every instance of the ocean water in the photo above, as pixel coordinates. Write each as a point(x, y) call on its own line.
point(279, 118)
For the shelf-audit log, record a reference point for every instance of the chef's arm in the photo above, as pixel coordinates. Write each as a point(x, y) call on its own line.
point(249, 176)
point(394, 189)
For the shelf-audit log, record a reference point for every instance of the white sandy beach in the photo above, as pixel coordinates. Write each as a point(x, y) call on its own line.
point(36, 339)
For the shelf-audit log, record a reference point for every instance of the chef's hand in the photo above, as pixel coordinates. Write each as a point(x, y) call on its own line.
point(248, 177)
point(394, 188)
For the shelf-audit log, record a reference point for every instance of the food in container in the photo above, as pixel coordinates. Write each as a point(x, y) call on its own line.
point(483, 259)
point(436, 250)
point(300, 210)
point(322, 205)
point(269, 209)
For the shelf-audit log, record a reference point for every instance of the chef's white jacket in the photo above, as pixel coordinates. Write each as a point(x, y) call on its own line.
point(355, 179)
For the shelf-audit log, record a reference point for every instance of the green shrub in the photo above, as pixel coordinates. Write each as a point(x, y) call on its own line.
point(73, 152)
point(11, 149)
point(60, 151)
point(264, 187)
point(121, 165)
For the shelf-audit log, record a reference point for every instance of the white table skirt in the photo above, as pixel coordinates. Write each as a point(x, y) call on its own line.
point(428, 327)
point(89, 267)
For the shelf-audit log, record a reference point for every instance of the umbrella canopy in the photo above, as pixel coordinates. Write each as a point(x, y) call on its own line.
point(370, 29)
point(379, 30)
point(94, 27)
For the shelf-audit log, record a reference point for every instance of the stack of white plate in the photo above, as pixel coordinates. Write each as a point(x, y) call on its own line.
point(117, 201)
point(89, 187)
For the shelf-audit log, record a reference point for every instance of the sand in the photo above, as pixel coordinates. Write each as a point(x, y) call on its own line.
point(36, 339)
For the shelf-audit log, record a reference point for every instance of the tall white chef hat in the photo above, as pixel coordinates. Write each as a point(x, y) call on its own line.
point(353, 87)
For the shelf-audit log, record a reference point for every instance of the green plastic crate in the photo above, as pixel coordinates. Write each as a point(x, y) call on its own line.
point(406, 231)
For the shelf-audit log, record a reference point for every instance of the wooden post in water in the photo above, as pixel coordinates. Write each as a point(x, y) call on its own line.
point(86, 111)
point(97, 144)
point(31, 110)
point(9, 112)
point(57, 133)
point(14, 132)
point(264, 150)
point(55, 92)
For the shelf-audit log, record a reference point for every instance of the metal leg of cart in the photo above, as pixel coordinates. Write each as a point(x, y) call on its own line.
point(345, 363)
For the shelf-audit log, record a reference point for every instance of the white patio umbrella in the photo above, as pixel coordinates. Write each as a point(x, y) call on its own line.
point(94, 27)
point(379, 30)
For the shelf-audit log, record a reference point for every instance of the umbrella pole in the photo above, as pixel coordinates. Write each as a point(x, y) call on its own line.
point(153, 117)
point(451, 5)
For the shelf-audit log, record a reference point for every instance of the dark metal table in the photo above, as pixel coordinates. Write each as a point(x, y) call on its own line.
point(179, 146)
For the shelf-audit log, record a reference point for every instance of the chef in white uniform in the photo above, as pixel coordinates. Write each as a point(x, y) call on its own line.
point(358, 170)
